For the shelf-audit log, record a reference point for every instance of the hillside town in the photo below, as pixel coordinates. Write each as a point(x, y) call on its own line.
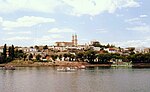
point(71, 51)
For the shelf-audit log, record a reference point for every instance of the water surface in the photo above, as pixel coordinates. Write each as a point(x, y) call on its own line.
point(95, 79)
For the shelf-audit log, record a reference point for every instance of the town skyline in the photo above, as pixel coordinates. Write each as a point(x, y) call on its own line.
point(123, 23)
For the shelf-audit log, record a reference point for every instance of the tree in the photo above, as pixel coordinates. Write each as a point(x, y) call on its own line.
point(18, 54)
point(139, 58)
point(115, 56)
point(96, 44)
point(54, 57)
point(30, 57)
point(31, 47)
point(38, 57)
point(11, 52)
point(1, 59)
point(108, 46)
point(80, 56)
point(72, 57)
point(69, 56)
point(90, 55)
point(104, 58)
point(60, 57)
point(4, 52)
point(8, 59)
point(36, 47)
point(65, 56)
point(24, 56)
point(45, 47)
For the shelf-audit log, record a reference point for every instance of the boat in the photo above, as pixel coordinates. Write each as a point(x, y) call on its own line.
point(66, 69)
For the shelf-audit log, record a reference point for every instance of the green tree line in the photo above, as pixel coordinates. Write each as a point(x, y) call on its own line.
point(9, 54)
point(94, 57)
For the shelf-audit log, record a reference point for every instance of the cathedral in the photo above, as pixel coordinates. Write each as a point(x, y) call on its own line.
point(73, 43)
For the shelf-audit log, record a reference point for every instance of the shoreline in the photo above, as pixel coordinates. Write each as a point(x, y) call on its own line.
point(20, 63)
point(141, 65)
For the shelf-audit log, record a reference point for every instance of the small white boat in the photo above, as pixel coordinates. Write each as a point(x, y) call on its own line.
point(66, 69)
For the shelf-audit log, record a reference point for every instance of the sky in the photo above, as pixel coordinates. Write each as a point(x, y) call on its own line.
point(124, 23)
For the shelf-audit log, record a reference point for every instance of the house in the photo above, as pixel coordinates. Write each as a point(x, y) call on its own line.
point(147, 50)
point(58, 48)
point(95, 48)
point(64, 44)
point(111, 50)
point(1, 49)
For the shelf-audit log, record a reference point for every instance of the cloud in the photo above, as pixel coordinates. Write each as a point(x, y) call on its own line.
point(143, 28)
point(129, 3)
point(95, 7)
point(143, 16)
point(138, 24)
point(17, 38)
point(136, 20)
point(74, 7)
point(26, 21)
point(47, 6)
point(132, 19)
point(63, 30)
point(19, 33)
point(1, 20)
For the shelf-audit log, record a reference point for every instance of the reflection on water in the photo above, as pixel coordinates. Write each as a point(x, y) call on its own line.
point(91, 79)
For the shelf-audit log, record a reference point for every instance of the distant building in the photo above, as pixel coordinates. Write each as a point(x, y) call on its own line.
point(68, 44)
point(64, 44)
point(111, 50)
point(131, 48)
point(95, 48)
point(147, 50)
point(1, 49)
point(95, 43)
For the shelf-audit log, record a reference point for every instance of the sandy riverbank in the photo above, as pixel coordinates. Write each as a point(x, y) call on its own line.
point(20, 63)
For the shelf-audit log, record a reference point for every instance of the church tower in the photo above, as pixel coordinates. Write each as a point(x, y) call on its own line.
point(75, 40)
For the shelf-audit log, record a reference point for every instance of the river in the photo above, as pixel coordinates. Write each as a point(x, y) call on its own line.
point(94, 79)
